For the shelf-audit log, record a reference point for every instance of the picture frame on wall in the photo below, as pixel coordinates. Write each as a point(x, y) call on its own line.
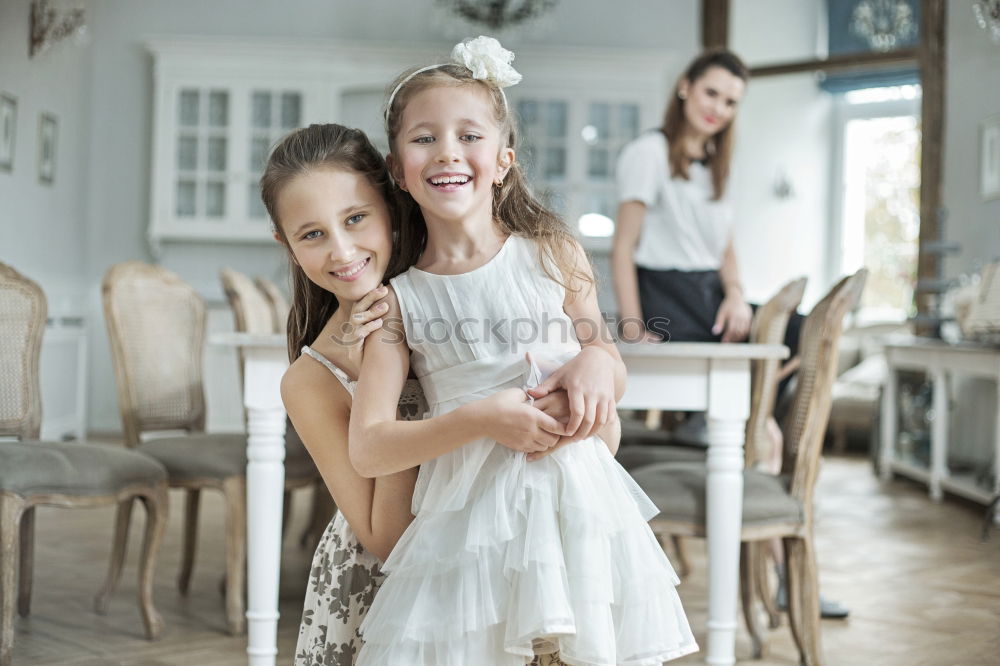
point(989, 159)
point(47, 134)
point(8, 131)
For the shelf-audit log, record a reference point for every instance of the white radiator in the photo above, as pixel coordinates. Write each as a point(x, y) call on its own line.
point(63, 376)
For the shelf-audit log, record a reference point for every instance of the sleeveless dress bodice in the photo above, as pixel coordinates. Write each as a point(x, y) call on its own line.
point(507, 559)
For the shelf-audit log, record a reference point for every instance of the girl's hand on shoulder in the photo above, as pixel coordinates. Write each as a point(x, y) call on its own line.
point(364, 319)
point(733, 319)
point(589, 381)
point(511, 419)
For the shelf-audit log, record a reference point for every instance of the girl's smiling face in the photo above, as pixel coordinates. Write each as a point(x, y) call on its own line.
point(338, 230)
point(448, 153)
point(712, 99)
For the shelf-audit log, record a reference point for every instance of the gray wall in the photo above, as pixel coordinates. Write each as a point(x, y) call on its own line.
point(972, 94)
point(43, 227)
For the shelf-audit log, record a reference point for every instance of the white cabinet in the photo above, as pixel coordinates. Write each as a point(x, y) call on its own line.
point(213, 130)
point(916, 424)
point(569, 145)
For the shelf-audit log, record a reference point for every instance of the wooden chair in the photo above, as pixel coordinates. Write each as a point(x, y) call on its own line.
point(279, 304)
point(156, 323)
point(768, 327)
point(774, 506)
point(257, 311)
point(65, 474)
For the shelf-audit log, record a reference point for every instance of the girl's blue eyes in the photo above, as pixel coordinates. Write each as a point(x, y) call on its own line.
point(351, 221)
point(468, 138)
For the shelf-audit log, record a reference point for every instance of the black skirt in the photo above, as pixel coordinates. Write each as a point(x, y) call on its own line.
point(681, 306)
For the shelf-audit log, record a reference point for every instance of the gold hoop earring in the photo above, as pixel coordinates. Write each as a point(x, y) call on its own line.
point(498, 182)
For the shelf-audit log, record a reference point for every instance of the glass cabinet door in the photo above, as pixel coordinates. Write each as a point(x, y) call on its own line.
point(201, 156)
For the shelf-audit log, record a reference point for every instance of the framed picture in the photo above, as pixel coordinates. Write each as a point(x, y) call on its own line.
point(989, 159)
point(8, 130)
point(46, 148)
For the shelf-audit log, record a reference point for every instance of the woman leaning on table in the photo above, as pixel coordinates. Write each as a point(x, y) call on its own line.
point(673, 261)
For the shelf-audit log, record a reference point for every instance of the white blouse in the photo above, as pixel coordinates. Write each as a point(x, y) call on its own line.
point(684, 228)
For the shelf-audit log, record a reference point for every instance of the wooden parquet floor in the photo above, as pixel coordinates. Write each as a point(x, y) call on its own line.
point(922, 588)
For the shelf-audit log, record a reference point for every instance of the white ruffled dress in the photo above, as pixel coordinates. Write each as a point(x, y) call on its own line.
point(505, 558)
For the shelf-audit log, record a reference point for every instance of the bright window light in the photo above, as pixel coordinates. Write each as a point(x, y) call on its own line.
point(596, 225)
point(888, 94)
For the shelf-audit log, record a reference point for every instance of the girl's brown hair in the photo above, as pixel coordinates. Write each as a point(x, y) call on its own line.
point(333, 147)
point(515, 208)
point(720, 147)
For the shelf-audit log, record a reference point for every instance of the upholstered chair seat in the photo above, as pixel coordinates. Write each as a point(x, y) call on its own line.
point(678, 491)
point(34, 467)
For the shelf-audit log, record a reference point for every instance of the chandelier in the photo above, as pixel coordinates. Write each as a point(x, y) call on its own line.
point(498, 14)
point(883, 23)
point(51, 24)
point(988, 17)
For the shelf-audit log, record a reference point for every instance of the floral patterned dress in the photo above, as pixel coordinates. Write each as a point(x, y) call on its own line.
point(344, 577)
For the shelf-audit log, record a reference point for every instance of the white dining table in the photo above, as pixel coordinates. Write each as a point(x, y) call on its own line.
point(709, 377)
point(712, 378)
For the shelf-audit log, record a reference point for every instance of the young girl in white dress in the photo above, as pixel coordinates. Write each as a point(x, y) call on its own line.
point(504, 559)
point(336, 212)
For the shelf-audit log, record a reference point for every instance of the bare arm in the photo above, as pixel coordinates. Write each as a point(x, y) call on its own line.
point(378, 510)
point(628, 227)
point(379, 444)
point(734, 315)
point(595, 379)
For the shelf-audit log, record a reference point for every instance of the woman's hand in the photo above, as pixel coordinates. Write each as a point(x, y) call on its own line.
point(733, 319)
point(589, 380)
point(511, 419)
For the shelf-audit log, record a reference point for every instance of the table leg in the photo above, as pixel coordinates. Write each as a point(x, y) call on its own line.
point(996, 455)
point(939, 434)
point(728, 409)
point(265, 489)
point(887, 454)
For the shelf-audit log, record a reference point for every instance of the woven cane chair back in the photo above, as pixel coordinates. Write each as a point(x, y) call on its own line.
point(156, 323)
point(805, 425)
point(22, 321)
point(280, 307)
point(768, 328)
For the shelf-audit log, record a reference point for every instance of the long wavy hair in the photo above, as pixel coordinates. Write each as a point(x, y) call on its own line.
point(720, 147)
point(333, 147)
point(516, 210)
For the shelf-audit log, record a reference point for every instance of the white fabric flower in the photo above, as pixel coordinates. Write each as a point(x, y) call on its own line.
point(487, 60)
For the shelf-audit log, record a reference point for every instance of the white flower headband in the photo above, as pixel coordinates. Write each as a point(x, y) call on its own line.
point(483, 56)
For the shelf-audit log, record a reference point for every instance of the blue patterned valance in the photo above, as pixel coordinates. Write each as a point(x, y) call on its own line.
point(858, 26)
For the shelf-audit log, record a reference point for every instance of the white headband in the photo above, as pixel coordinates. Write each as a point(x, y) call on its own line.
point(483, 56)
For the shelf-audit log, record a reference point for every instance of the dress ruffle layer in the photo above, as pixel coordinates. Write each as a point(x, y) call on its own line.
point(529, 566)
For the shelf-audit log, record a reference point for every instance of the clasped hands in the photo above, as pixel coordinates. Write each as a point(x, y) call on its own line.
point(571, 404)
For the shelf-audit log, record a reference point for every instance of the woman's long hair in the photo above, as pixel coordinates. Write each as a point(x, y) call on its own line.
point(515, 208)
point(720, 147)
point(333, 147)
